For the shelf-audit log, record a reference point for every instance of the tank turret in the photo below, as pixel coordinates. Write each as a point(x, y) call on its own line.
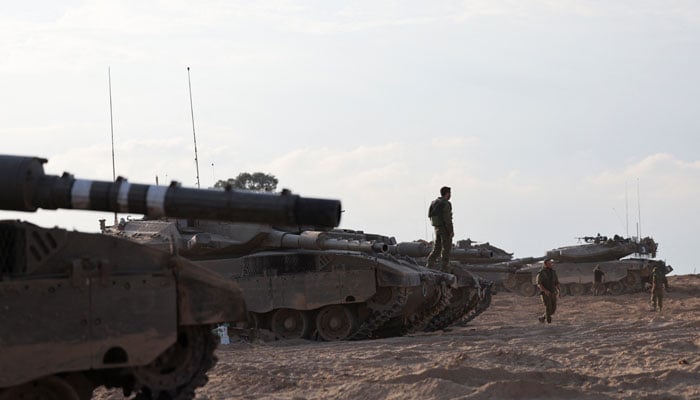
point(82, 310)
point(465, 252)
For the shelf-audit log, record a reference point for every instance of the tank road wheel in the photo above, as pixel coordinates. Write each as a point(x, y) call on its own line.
point(49, 388)
point(510, 283)
point(336, 322)
point(290, 324)
point(179, 370)
point(616, 288)
point(527, 289)
point(577, 289)
point(633, 280)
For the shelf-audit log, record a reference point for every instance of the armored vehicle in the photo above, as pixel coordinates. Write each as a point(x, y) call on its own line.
point(302, 283)
point(465, 252)
point(469, 298)
point(575, 264)
point(81, 310)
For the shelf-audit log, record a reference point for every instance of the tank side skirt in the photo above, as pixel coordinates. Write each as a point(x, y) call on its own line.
point(307, 291)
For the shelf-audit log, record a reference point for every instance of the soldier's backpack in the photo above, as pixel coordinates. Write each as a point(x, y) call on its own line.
point(435, 208)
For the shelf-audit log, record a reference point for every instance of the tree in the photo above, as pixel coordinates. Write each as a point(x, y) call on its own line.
point(257, 181)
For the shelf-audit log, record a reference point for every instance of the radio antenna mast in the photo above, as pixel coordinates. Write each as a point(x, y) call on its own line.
point(196, 160)
point(639, 214)
point(627, 213)
point(111, 129)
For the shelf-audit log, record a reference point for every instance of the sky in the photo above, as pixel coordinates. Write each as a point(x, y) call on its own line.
point(550, 120)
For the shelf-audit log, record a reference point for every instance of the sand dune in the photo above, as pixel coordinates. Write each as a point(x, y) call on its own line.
point(609, 347)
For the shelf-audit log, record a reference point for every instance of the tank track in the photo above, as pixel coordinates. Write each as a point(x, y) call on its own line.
point(483, 304)
point(186, 391)
point(453, 313)
point(377, 317)
point(418, 322)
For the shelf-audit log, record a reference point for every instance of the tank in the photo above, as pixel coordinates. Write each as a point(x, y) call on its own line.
point(304, 283)
point(469, 297)
point(82, 310)
point(465, 252)
point(575, 264)
point(481, 259)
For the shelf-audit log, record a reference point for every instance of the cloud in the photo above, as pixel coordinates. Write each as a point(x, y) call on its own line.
point(662, 174)
point(454, 142)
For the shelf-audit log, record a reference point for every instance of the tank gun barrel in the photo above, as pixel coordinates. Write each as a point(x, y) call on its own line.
point(25, 187)
point(318, 240)
point(418, 249)
point(506, 266)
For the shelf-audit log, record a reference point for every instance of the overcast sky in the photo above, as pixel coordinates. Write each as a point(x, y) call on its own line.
point(545, 117)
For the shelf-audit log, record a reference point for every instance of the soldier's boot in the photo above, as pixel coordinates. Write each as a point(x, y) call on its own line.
point(549, 319)
point(541, 319)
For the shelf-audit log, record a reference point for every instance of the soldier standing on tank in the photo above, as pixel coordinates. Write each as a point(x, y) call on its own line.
point(658, 283)
point(598, 278)
point(548, 283)
point(440, 214)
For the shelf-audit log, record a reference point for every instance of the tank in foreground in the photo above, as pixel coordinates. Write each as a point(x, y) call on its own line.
point(81, 310)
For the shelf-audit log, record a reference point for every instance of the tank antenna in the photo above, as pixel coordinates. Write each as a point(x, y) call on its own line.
point(627, 213)
point(639, 214)
point(111, 129)
point(196, 160)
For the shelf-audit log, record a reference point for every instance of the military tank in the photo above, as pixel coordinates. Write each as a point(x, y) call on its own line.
point(81, 310)
point(470, 296)
point(305, 283)
point(575, 264)
point(465, 252)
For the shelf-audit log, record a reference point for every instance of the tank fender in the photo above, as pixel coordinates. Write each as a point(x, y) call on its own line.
point(394, 274)
point(205, 298)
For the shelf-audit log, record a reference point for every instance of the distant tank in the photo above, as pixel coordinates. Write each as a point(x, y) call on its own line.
point(465, 252)
point(81, 310)
point(575, 264)
point(330, 285)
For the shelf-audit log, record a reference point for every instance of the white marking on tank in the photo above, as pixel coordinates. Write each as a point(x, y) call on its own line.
point(80, 194)
point(155, 201)
point(123, 196)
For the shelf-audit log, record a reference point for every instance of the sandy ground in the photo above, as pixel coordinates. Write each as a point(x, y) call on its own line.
point(609, 347)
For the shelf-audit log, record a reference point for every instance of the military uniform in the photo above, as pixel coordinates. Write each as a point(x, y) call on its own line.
point(440, 214)
point(658, 283)
point(547, 277)
point(598, 286)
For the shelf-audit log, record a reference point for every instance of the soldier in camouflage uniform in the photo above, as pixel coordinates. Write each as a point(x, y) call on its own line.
point(598, 277)
point(548, 283)
point(440, 214)
point(658, 284)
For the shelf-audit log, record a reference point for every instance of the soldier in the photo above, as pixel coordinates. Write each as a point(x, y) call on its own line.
point(598, 277)
point(658, 283)
point(440, 214)
point(548, 282)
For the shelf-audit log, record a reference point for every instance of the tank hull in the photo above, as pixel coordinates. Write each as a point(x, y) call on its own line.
point(108, 308)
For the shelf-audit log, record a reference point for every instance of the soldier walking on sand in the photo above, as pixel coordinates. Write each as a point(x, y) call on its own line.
point(548, 283)
point(598, 278)
point(440, 214)
point(658, 283)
